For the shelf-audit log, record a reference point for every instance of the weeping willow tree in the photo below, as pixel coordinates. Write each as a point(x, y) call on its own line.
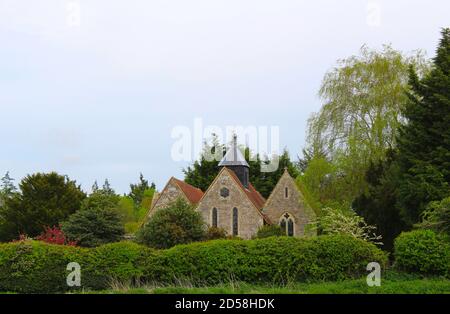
point(363, 97)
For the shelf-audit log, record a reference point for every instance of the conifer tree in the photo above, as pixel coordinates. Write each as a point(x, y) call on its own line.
point(424, 141)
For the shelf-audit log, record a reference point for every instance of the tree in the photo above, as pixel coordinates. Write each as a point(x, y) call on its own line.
point(44, 200)
point(378, 205)
point(424, 141)
point(179, 223)
point(202, 173)
point(363, 101)
point(138, 190)
point(7, 187)
point(437, 217)
point(91, 227)
point(107, 189)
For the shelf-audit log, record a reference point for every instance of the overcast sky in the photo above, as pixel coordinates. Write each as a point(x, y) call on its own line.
point(94, 88)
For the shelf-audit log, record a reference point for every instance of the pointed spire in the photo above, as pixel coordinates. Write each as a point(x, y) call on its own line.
point(233, 157)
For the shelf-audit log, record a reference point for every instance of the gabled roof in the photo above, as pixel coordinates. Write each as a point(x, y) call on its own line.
point(252, 194)
point(233, 157)
point(192, 193)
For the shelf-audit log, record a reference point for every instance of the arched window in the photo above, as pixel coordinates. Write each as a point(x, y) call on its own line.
point(235, 221)
point(283, 225)
point(286, 192)
point(287, 224)
point(214, 217)
point(290, 228)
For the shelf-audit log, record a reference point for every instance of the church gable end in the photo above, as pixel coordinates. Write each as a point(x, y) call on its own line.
point(169, 194)
point(286, 207)
point(227, 205)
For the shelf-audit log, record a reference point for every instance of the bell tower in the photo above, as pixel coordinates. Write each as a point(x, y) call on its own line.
point(235, 161)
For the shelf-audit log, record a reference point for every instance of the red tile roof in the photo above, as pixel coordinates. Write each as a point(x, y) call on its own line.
point(254, 196)
point(192, 193)
point(257, 199)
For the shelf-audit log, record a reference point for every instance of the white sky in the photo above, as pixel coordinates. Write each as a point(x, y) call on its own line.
point(97, 97)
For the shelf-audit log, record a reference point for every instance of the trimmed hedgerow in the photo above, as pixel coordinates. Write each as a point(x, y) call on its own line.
point(34, 267)
point(422, 251)
point(274, 260)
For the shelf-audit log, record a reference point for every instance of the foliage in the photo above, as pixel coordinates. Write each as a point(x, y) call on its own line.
point(98, 222)
point(126, 209)
point(37, 267)
point(7, 187)
point(214, 233)
point(177, 223)
point(44, 199)
point(138, 190)
point(55, 236)
point(422, 251)
point(437, 216)
point(364, 97)
point(271, 260)
point(202, 173)
point(378, 205)
point(269, 231)
point(333, 221)
point(424, 142)
point(120, 261)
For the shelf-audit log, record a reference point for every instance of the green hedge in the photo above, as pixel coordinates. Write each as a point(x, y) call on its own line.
point(272, 260)
point(35, 267)
point(422, 251)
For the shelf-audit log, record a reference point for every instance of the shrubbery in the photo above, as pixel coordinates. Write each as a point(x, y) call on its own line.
point(179, 223)
point(269, 231)
point(422, 251)
point(36, 267)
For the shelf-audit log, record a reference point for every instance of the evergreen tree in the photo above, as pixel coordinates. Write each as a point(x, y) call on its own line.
point(95, 187)
point(424, 142)
point(107, 189)
point(44, 200)
point(7, 186)
point(378, 205)
point(137, 192)
point(202, 173)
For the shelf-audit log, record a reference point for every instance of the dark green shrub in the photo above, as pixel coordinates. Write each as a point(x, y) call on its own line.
point(422, 251)
point(179, 223)
point(270, 231)
point(36, 267)
point(121, 261)
point(93, 227)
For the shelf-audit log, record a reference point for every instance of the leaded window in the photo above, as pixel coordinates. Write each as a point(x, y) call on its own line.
point(235, 221)
point(287, 224)
point(214, 217)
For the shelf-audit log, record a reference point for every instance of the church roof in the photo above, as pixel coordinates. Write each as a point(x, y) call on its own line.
point(193, 194)
point(254, 196)
point(233, 157)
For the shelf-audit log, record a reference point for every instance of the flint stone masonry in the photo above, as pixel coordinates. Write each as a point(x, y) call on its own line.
point(278, 204)
point(249, 217)
point(170, 194)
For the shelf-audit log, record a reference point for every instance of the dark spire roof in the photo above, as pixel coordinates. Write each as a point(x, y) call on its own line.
point(233, 157)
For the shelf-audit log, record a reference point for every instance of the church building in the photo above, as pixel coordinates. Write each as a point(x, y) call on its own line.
point(232, 203)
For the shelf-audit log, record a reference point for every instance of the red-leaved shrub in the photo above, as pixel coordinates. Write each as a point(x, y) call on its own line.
point(55, 236)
